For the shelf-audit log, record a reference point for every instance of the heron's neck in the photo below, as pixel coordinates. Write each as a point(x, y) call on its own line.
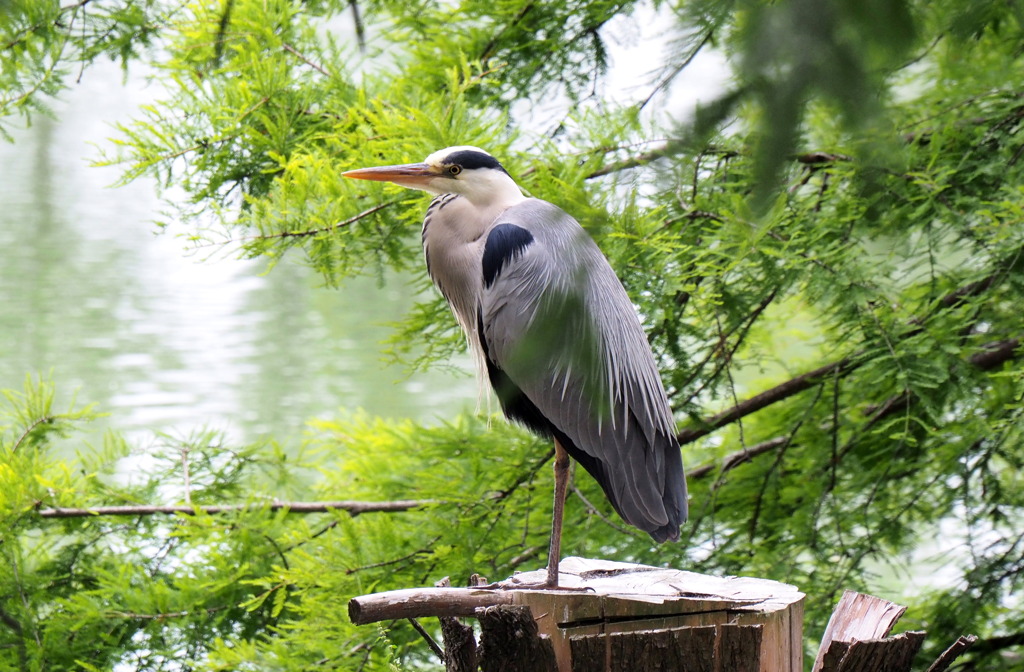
point(494, 191)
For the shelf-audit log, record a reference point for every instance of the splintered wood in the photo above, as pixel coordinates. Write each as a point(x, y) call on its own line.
point(856, 640)
point(610, 616)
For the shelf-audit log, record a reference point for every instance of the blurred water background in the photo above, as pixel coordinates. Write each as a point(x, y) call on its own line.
point(163, 340)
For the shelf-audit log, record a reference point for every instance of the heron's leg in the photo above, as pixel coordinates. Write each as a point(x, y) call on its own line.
point(561, 483)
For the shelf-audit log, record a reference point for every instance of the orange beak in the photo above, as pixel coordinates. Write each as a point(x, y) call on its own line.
point(414, 175)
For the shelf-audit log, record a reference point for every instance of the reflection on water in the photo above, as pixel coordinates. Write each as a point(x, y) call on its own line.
point(165, 342)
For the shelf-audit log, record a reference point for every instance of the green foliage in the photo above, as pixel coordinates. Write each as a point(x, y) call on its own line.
point(827, 257)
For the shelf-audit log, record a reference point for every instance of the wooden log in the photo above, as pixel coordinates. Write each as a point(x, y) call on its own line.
point(738, 648)
point(422, 602)
point(509, 641)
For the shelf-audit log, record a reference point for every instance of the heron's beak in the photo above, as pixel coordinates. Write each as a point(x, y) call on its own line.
point(415, 175)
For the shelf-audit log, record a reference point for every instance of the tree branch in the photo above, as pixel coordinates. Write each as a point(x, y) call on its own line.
point(955, 650)
point(990, 357)
point(353, 507)
point(768, 397)
point(44, 420)
point(679, 68)
point(990, 645)
point(994, 354)
point(733, 460)
point(316, 66)
point(312, 232)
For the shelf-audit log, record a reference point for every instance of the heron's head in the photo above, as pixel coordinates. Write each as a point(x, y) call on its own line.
point(465, 170)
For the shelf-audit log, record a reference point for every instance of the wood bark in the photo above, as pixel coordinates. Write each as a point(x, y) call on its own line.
point(709, 648)
point(674, 650)
point(510, 642)
point(892, 654)
point(460, 651)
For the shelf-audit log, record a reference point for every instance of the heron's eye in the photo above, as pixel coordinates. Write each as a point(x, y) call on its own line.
point(454, 170)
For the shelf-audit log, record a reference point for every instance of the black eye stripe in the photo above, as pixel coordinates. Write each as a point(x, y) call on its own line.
point(469, 159)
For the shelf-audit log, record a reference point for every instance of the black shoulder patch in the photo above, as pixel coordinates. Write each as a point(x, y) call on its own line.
point(504, 243)
point(470, 159)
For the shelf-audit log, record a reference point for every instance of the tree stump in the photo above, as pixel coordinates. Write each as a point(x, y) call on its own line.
point(617, 616)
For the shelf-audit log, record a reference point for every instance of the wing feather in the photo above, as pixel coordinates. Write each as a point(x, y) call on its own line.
point(557, 323)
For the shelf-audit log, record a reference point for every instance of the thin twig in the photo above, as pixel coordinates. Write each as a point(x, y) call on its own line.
point(438, 651)
point(46, 419)
point(395, 561)
point(319, 68)
point(675, 71)
point(312, 232)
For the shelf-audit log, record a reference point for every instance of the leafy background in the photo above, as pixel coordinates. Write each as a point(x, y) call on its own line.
point(826, 257)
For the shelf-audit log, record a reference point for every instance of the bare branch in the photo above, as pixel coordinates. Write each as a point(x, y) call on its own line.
point(420, 602)
point(995, 354)
point(394, 561)
point(353, 507)
point(357, 19)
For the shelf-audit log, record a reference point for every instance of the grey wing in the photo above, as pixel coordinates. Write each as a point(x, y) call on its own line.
point(567, 356)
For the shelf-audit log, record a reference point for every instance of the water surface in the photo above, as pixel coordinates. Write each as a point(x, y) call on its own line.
point(93, 296)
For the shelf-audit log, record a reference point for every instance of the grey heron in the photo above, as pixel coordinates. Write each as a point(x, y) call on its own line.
point(555, 332)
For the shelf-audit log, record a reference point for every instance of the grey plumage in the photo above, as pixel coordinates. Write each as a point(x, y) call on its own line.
point(560, 326)
point(553, 328)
